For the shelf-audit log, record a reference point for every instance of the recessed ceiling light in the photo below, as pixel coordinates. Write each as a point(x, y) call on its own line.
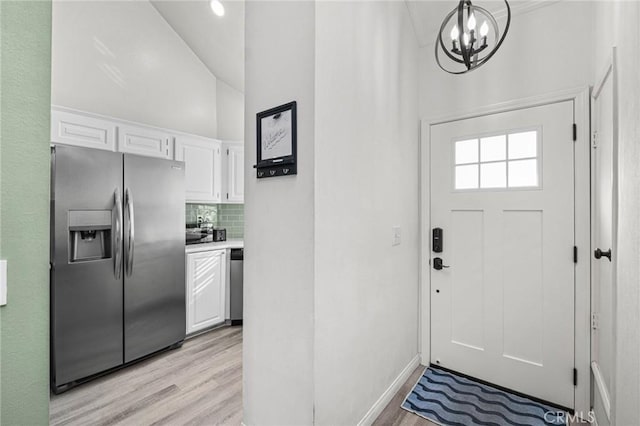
point(217, 7)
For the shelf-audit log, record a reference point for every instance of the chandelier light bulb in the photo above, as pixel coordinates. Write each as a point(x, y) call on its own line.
point(484, 29)
point(455, 33)
point(471, 23)
point(465, 39)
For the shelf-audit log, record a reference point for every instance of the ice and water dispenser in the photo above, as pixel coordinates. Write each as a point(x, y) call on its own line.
point(89, 235)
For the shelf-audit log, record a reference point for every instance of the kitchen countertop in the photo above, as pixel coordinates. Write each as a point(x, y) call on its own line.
point(220, 245)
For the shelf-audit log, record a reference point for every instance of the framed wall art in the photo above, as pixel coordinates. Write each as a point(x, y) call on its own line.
point(276, 141)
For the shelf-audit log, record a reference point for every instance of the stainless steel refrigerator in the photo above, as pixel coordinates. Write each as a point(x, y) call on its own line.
point(117, 261)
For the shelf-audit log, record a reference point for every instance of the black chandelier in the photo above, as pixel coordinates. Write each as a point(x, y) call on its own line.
point(469, 46)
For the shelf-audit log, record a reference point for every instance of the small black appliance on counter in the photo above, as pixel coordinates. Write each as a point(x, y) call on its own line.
point(205, 234)
point(219, 234)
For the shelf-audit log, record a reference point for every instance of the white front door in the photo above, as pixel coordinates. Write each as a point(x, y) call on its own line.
point(502, 305)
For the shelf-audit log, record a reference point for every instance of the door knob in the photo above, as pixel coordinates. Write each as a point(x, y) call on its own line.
point(599, 254)
point(438, 264)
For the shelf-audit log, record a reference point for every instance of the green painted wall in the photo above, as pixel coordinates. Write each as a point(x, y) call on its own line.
point(25, 89)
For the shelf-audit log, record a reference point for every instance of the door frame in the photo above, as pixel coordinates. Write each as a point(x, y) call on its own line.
point(582, 284)
point(609, 72)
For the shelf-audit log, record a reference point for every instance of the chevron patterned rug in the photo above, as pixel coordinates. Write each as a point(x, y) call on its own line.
point(449, 399)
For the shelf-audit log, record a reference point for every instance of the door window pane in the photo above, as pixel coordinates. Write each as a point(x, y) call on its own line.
point(467, 151)
point(523, 145)
point(493, 175)
point(493, 148)
point(523, 173)
point(467, 177)
point(498, 161)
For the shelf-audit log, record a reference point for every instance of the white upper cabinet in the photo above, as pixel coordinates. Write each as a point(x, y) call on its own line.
point(89, 130)
point(72, 128)
point(206, 288)
point(144, 141)
point(234, 188)
point(203, 174)
point(214, 170)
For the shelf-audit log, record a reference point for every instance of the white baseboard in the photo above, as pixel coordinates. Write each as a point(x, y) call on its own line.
point(388, 394)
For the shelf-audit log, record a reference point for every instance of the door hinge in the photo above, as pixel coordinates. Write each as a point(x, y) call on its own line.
point(594, 321)
point(227, 151)
point(575, 132)
point(227, 195)
point(575, 377)
point(575, 254)
point(595, 139)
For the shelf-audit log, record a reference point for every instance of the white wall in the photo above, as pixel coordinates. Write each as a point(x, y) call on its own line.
point(121, 59)
point(331, 307)
point(547, 49)
point(230, 107)
point(616, 23)
point(367, 132)
point(279, 217)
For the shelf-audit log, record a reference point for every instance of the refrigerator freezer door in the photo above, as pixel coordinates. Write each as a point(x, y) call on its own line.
point(154, 299)
point(86, 295)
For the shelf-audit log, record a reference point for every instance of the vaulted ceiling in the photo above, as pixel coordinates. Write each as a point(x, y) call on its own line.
point(217, 40)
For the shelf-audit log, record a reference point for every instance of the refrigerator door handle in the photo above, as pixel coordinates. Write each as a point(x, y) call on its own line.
point(131, 237)
point(118, 234)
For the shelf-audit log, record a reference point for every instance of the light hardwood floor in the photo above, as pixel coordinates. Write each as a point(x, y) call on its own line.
point(393, 415)
point(198, 384)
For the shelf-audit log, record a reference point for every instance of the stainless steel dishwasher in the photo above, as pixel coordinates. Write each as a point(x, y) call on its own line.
point(237, 258)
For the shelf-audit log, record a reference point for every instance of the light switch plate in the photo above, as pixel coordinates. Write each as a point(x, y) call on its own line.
point(3, 282)
point(396, 236)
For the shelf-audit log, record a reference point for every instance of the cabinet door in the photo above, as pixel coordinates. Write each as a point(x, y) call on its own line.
point(235, 174)
point(205, 289)
point(144, 141)
point(202, 168)
point(80, 130)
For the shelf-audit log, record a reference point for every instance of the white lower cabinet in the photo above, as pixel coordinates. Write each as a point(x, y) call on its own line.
point(206, 303)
